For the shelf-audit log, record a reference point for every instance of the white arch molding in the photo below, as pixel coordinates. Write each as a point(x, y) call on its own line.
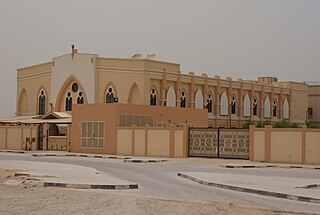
point(267, 107)
point(224, 104)
point(198, 99)
point(246, 105)
point(171, 97)
point(285, 109)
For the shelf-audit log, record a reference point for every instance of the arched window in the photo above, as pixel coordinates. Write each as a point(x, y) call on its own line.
point(42, 103)
point(285, 109)
point(171, 97)
point(255, 106)
point(274, 108)
point(246, 105)
point(223, 104)
point(198, 100)
point(69, 102)
point(80, 99)
point(183, 99)
point(233, 105)
point(153, 97)
point(267, 107)
point(209, 103)
point(110, 95)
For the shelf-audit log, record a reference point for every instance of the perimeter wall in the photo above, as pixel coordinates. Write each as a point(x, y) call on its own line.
point(285, 145)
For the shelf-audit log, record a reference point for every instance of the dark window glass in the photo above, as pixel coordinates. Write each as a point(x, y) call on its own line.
point(74, 87)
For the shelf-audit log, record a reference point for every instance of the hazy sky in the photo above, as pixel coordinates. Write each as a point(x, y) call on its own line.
point(237, 38)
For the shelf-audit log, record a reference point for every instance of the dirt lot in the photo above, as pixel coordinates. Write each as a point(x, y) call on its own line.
point(26, 199)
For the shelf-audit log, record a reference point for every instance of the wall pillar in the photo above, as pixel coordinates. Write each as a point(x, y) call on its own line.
point(146, 141)
point(217, 100)
point(281, 104)
point(251, 143)
point(172, 143)
point(205, 89)
point(267, 145)
point(163, 87)
point(192, 89)
point(45, 136)
point(303, 144)
point(133, 133)
point(178, 89)
point(261, 103)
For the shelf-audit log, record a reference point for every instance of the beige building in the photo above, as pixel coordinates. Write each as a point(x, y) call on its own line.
point(314, 103)
point(78, 78)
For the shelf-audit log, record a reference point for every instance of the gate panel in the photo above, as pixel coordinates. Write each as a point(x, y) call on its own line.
point(234, 143)
point(203, 142)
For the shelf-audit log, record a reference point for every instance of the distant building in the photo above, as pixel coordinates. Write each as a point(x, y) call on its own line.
point(78, 78)
point(313, 112)
point(151, 93)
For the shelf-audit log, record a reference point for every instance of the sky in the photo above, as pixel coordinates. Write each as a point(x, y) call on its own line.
point(230, 38)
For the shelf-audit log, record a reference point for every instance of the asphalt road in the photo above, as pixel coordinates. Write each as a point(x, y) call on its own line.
point(160, 180)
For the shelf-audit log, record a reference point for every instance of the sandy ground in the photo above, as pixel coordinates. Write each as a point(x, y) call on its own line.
point(27, 199)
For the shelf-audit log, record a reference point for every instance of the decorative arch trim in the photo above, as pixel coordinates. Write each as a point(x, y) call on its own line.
point(63, 91)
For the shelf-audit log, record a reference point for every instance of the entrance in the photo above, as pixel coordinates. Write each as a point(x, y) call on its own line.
point(40, 137)
point(218, 143)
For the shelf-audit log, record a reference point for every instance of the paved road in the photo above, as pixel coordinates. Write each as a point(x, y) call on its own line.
point(160, 180)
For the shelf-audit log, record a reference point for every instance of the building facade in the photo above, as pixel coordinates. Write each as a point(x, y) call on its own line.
point(78, 78)
point(314, 103)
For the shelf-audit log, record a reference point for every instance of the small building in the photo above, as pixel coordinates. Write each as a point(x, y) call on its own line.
point(313, 112)
point(139, 130)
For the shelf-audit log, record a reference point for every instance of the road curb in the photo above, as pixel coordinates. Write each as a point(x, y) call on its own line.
point(254, 191)
point(143, 161)
point(83, 186)
point(91, 186)
point(79, 155)
point(12, 151)
point(236, 166)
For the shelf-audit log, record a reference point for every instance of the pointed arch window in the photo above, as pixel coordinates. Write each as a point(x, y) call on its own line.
point(233, 105)
point(209, 103)
point(80, 99)
point(42, 103)
point(274, 108)
point(110, 95)
point(153, 97)
point(69, 102)
point(255, 107)
point(183, 99)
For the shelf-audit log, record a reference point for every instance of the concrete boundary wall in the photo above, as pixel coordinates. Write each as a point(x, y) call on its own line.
point(18, 137)
point(156, 142)
point(285, 145)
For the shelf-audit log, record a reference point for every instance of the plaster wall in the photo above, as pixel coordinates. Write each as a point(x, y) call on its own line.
point(286, 146)
point(259, 146)
point(81, 66)
point(159, 143)
point(124, 142)
point(139, 142)
point(313, 147)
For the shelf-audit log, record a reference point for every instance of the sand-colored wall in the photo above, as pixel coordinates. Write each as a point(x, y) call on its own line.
point(118, 141)
point(57, 143)
point(159, 143)
point(124, 142)
point(3, 136)
point(15, 137)
point(259, 146)
point(32, 85)
point(139, 142)
point(147, 141)
point(179, 143)
point(287, 145)
point(313, 147)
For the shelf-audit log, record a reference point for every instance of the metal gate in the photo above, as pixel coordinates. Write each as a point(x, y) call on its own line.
point(219, 143)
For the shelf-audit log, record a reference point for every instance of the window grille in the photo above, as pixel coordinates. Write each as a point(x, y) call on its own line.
point(92, 134)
